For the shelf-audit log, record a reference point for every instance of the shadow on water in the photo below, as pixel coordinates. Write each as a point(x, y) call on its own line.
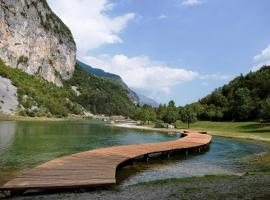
point(133, 168)
point(223, 157)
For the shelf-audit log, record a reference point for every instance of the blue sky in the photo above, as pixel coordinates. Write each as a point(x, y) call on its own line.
point(170, 49)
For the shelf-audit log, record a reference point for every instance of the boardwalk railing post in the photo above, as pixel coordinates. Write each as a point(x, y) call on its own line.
point(146, 157)
point(5, 194)
point(168, 154)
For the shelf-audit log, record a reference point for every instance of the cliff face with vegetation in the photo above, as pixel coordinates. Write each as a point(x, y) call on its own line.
point(37, 54)
point(83, 92)
point(35, 40)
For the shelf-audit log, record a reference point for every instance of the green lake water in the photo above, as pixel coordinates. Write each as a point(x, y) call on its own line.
point(26, 144)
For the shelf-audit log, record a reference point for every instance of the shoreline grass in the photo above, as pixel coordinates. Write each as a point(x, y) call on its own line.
point(240, 130)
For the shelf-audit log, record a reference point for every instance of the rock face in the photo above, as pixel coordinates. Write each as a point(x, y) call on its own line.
point(8, 98)
point(35, 40)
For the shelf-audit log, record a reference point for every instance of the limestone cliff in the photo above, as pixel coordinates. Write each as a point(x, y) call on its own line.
point(35, 40)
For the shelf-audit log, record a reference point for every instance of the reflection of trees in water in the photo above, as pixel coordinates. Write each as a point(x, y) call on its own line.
point(7, 135)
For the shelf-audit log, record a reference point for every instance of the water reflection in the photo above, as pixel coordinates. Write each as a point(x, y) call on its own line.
point(27, 144)
point(7, 136)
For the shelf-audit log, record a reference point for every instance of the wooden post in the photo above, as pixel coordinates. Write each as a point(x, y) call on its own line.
point(186, 152)
point(146, 157)
point(5, 193)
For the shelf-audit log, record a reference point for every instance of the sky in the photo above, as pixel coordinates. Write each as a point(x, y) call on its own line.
point(170, 49)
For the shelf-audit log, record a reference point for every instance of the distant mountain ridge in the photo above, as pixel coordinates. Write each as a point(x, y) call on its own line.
point(99, 72)
point(136, 98)
point(148, 101)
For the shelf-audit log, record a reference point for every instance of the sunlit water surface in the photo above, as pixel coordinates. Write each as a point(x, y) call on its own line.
point(26, 144)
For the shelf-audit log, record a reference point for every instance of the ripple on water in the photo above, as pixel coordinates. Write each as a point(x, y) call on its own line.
point(222, 158)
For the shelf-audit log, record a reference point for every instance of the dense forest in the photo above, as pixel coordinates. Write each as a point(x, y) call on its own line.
point(243, 99)
point(246, 98)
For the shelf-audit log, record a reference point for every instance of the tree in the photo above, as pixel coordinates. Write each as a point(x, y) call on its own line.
point(188, 115)
point(150, 114)
point(171, 104)
point(242, 105)
point(144, 114)
point(170, 116)
point(161, 111)
point(265, 110)
point(171, 113)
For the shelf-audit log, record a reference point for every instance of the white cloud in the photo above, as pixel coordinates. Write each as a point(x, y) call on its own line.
point(162, 16)
point(262, 58)
point(143, 74)
point(214, 77)
point(191, 2)
point(89, 22)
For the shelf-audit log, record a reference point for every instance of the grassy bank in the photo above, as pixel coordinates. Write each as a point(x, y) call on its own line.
point(244, 130)
point(247, 130)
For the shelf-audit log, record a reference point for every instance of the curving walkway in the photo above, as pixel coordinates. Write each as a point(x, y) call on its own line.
point(96, 167)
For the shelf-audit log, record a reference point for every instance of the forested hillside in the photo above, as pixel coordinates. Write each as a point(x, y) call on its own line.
point(101, 73)
point(38, 97)
point(100, 95)
point(247, 97)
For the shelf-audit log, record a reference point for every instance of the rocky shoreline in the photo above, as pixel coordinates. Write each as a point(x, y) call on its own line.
point(255, 186)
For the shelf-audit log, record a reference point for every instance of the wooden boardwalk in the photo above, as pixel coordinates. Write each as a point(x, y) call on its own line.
point(96, 167)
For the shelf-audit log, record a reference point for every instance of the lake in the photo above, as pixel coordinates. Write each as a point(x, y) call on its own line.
point(25, 144)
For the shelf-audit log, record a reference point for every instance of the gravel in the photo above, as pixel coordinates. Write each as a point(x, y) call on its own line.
point(209, 187)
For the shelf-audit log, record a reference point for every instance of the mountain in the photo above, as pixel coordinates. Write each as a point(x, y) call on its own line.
point(37, 55)
point(38, 71)
point(148, 101)
point(100, 95)
point(247, 97)
point(136, 98)
point(99, 72)
point(35, 40)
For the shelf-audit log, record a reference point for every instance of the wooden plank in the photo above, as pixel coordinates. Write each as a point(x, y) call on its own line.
point(96, 167)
